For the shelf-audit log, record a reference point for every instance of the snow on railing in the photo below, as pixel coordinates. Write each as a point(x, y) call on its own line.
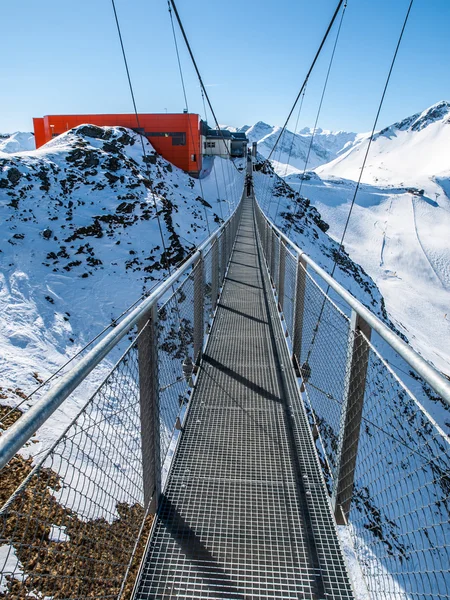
point(385, 460)
point(76, 525)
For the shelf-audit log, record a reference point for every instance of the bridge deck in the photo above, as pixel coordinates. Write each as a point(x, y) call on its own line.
point(245, 513)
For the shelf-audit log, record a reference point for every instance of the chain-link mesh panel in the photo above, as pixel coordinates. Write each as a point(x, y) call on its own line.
point(290, 281)
point(275, 258)
point(400, 505)
point(323, 360)
point(70, 530)
point(175, 345)
point(207, 296)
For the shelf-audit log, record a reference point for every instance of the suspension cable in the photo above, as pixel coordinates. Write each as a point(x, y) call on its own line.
point(187, 108)
point(311, 141)
point(339, 251)
point(290, 154)
point(338, 7)
point(202, 85)
point(130, 85)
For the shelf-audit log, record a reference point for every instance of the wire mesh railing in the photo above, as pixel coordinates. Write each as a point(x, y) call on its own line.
point(73, 524)
point(385, 460)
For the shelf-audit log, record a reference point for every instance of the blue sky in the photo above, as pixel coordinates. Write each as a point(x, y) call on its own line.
point(64, 57)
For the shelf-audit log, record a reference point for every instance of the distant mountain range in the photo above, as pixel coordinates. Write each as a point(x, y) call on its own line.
point(294, 148)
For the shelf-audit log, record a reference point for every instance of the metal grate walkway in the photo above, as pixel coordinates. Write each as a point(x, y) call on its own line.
point(245, 513)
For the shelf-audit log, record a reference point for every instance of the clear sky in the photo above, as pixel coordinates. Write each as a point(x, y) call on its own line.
point(64, 57)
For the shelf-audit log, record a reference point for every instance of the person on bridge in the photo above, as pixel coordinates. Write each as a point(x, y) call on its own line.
point(249, 185)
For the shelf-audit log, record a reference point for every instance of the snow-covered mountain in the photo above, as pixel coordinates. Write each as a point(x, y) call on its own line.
point(293, 148)
point(80, 242)
point(413, 152)
point(19, 141)
point(399, 230)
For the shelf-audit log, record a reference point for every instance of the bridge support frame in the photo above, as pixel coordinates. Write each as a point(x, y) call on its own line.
point(273, 245)
point(214, 273)
point(223, 256)
point(281, 275)
point(199, 326)
point(149, 408)
point(299, 306)
point(351, 416)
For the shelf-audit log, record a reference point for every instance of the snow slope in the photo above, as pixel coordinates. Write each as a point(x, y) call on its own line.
point(19, 141)
point(401, 240)
point(79, 243)
point(400, 225)
point(293, 148)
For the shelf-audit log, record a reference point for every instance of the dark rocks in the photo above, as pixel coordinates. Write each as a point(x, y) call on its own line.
point(111, 178)
point(14, 176)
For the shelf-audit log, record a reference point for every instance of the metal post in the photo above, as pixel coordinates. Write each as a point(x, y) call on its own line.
point(273, 240)
point(228, 244)
point(281, 274)
point(358, 360)
point(299, 305)
point(214, 273)
point(149, 408)
point(223, 256)
point(199, 290)
point(267, 245)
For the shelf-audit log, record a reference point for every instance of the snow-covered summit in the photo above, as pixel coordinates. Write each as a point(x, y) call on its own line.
point(20, 141)
point(438, 112)
point(411, 152)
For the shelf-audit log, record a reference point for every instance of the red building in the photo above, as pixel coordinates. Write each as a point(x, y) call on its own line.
point(175, 136)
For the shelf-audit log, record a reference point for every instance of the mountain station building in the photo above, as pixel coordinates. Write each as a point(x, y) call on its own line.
point(182, 139)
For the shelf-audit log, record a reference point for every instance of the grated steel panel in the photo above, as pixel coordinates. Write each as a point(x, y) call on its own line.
point(245, 513)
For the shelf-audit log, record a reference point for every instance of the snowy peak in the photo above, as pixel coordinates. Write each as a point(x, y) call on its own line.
point(20, 141)
point(410, 153)
point(438, 112)
point(259, 131)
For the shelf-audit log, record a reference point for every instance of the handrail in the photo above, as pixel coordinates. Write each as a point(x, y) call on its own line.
point(439, 384)
point(20, 432)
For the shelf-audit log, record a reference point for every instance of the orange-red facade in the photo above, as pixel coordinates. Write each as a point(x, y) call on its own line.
point(175, 136)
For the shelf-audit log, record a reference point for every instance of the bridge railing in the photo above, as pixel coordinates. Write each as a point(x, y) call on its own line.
point(385, 460)
point(73, 527)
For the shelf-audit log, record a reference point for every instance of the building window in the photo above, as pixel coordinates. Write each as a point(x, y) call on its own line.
point(193, 157)
point(210, 144)
point(178, 139)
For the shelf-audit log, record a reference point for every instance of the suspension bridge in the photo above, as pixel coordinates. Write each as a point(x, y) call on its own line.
point(251, 441)
point(273, 446)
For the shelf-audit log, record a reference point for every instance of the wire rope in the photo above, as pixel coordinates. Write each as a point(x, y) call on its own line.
point(130, 85)
point(324, 39)
point(338, 252)
point(187, 108)
point(202, 85)
point(311, 141)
